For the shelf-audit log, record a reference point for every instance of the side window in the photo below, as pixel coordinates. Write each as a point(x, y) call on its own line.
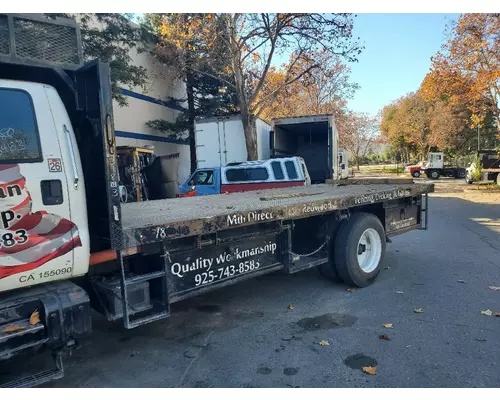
point(277, 170)
point(236, 175)
point(257, 174)
point(19, 140)
point(291, 170)
point(203, 178)
point(246, 174)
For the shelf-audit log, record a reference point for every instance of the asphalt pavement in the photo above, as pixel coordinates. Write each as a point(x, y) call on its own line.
point(304, 331)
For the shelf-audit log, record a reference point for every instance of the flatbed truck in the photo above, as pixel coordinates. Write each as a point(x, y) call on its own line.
point(69, 245)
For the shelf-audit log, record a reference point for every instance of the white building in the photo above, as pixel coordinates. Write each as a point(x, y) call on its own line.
point(144, 106)
point(150, 104)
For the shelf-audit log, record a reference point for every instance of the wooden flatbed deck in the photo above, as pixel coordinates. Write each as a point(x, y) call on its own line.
point(157, 220)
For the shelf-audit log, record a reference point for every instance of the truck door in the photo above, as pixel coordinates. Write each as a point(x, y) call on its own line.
point(232, 139)
point(208, 144)
point(97, 146)
point(37, 235)
point(206, 182)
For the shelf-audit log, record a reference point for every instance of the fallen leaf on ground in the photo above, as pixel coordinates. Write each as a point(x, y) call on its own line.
point(351, 289)
point(34, 318)
point(370, 370)
point(387, 325)
point(290, 307)
point(324, 343)
point(418, 310)
point(13, 328)
point(487, 312)
point(461, 281)
point(383, 337)
point(494, 287)
point(399, 292)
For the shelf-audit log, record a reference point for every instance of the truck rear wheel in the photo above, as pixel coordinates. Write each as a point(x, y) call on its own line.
point(359, 249)
point(433, 174)
point(329, 269)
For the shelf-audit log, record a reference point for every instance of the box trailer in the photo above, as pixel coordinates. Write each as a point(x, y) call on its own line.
point(221, 141)
point(314, 138)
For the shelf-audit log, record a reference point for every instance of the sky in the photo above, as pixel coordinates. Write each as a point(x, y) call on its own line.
point(397, 55)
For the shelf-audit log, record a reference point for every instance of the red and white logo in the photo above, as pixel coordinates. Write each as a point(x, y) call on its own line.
point(28, 239)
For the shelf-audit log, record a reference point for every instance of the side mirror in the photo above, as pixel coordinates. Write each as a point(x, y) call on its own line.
point(191, 183)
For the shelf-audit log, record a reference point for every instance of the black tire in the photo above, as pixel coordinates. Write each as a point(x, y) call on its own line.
point(461, 174)
point(346, 249)
point(433, 174)
point(329, 269)
point(416, 174)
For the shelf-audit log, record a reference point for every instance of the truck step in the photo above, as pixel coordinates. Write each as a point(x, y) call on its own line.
point(147, 319)
point(39, 378)
point(144, 277)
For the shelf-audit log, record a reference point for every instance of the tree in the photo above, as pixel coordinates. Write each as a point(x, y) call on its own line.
point(324, 91)
point(413, 120)
point(467, 69)
point(359, 133)
point(242, 48)
point(110, 37)
point(182, 47)
point(399, 139)
point(454, 126)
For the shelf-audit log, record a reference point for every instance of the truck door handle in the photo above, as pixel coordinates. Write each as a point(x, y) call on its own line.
point(76, 178)
point(52, 193)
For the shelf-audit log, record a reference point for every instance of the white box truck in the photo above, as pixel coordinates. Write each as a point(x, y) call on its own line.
point(221, 141)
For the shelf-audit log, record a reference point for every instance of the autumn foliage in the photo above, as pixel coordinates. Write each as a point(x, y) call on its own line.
point(242, 51)
point(460, 94)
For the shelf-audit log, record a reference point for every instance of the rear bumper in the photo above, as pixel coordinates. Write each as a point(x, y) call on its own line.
point(63, 316)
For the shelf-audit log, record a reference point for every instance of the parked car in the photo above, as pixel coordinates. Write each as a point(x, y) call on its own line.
point(245, 176)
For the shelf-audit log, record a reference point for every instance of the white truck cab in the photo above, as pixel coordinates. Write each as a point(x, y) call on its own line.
point(435, 160)
point(43, 233)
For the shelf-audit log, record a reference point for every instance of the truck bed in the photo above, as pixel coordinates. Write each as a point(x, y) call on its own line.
point(157, 220)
